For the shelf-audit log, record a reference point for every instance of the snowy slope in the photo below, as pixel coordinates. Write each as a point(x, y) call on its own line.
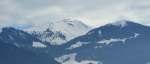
point(122, 42)
point(59, 32)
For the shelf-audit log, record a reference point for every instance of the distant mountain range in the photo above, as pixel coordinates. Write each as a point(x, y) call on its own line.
point(72, 42)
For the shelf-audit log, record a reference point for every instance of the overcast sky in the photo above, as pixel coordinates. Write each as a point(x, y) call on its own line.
point(91, 12)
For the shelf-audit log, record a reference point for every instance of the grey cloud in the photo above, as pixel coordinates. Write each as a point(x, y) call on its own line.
point(93, 12)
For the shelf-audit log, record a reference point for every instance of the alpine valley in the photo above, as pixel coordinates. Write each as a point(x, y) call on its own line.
point(73, 42)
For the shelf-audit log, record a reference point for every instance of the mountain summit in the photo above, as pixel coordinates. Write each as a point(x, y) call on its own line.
point(59, 32)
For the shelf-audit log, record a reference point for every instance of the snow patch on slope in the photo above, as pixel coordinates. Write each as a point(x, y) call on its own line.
point(71, 59)
point(112, 40)
point(120, 40)
point(38, 45)
point(77, 45)
point(136, 35)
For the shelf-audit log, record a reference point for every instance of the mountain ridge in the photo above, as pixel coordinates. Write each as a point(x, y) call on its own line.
point(108, 44)
point(111, 44)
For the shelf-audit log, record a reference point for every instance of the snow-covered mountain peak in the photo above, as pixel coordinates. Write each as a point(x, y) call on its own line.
point(67, 28)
